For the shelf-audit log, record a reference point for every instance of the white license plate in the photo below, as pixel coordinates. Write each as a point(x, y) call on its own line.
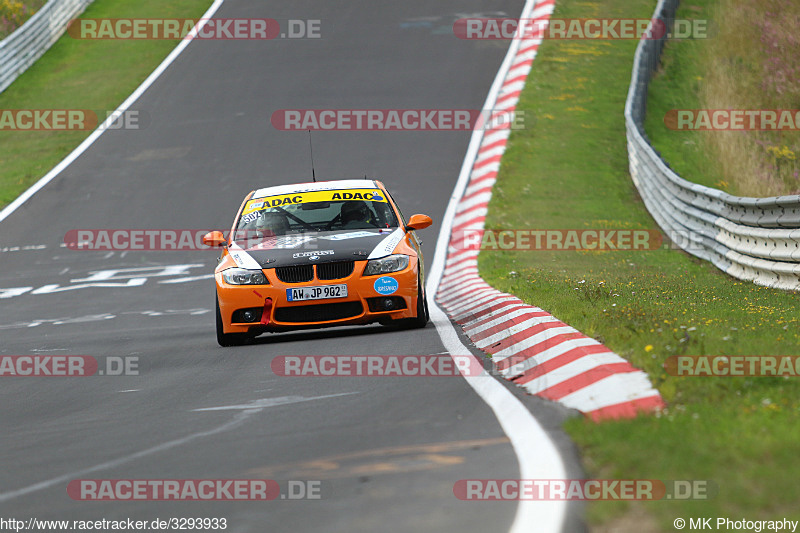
point(320, 292)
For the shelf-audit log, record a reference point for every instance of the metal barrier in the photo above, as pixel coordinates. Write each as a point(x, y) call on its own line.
point(28, 43)
point(754, 239)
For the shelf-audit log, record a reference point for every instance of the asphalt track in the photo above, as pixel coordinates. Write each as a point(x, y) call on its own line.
point(209, 141)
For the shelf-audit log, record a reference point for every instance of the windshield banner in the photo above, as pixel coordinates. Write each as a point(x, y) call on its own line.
point(369, 195)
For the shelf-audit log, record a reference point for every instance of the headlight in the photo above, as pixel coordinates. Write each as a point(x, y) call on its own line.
point(384, 265)
point(242, 276)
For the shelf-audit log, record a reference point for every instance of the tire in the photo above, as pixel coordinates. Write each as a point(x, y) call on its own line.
point(228, 339)
point(422, 318)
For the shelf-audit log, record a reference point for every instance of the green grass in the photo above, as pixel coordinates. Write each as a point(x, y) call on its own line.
point(14, 13)
point(733, 69)
point(80, 74)
point(677, 85)
point(571, 171)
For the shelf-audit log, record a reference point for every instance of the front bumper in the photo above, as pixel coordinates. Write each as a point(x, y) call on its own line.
point(270, 310)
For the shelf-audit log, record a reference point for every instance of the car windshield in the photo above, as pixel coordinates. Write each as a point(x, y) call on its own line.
point(313, 211)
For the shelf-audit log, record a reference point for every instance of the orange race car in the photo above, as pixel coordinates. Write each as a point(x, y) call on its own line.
point(315, 255)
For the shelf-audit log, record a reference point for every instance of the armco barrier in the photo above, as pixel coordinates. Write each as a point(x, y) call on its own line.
point(754, 239)
point(22, 48)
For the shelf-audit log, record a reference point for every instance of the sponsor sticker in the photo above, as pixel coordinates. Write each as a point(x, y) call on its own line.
point(288, 241)
point(388, 244)
point(345, 236)
point(368, 195)
point(313, 254)
point(243, 259)
point(386, 285)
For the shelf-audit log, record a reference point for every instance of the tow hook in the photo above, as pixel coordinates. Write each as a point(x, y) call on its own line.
point(267, 311)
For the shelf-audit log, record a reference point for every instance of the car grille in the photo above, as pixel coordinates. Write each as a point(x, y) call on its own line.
point(318, 312)
point(339, 270)
point(295, 274)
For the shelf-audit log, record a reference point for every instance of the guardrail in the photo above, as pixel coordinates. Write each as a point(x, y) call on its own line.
point(29, 42)
point(754, 239)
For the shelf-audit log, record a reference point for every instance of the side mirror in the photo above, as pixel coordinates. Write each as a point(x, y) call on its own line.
point(215, 239)
point(418, 222)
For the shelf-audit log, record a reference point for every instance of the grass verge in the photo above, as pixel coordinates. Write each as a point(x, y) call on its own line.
point(750, 61)
point(571, 172)
point(14, 13)
point(80, 74)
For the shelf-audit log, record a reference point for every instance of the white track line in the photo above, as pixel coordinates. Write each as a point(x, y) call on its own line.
point(536, 453)
point(24, 197)
point(237, 420)
point(89, 141)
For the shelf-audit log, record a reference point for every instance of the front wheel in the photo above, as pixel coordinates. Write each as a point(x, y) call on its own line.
point(228, 339)
point(423, 316)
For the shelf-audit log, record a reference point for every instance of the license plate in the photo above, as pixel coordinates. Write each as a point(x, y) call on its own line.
point(320, 292)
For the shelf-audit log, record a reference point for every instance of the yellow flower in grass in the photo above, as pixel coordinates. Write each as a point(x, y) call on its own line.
point(583, 51)
point(11, 9)
point(781, 152)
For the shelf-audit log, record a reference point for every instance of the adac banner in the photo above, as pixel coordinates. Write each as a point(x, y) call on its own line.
point(340, 195)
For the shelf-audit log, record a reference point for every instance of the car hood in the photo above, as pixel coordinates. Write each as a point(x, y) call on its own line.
point(315, 248)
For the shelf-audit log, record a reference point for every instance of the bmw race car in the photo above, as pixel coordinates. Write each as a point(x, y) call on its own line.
point(316, 255)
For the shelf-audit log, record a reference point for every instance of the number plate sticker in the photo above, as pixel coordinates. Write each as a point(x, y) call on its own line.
point(320, 292)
